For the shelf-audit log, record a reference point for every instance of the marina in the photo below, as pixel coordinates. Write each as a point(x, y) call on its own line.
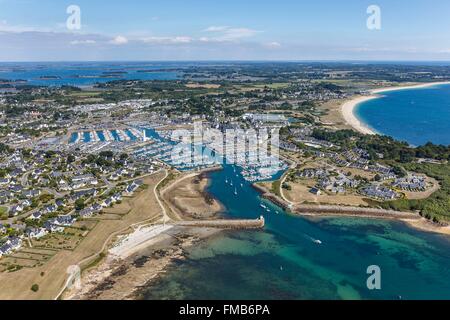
point(119, 135)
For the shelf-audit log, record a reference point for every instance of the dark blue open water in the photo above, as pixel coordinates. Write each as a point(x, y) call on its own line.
point(416, 116)
point(283, 262)
point(85, 73)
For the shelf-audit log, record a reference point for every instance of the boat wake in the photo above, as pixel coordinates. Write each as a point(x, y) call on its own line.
point(316, 241)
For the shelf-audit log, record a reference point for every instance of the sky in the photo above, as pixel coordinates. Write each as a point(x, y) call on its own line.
point(406, 30)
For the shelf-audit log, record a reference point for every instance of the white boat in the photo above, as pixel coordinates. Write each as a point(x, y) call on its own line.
point(235, 192)
point(263, 206)
point(317, 241)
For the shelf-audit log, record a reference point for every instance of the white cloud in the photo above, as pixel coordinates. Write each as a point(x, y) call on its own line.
point(168, 40)
point(216, 28)
point(5, 27)
point(225, 33)
point(88, 41)
point(273, 45)
point(119, 40)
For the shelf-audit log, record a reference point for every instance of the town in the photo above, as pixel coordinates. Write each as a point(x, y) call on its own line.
point(72, 157)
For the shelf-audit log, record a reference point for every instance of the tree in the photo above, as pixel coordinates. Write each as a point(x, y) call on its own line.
point(35, 287)
point(70, 158)
point(106, 154)
point(79, 204)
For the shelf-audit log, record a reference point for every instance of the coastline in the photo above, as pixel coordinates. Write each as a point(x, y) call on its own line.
point(136, 258)
point(123, 278)
point(332, 211)
point(349, 107)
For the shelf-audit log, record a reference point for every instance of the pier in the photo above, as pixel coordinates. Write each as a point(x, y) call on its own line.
point(225, 224)
point(331, 210)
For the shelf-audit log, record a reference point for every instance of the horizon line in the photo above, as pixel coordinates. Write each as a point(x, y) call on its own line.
point(233, 60)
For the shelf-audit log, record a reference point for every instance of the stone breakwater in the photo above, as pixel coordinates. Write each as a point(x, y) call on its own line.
point(225, 224)
point(326, 210)
point(335, 210)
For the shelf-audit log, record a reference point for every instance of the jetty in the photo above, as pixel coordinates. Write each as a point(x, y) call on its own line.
point(225, 224)
point(331, 210)
point(335, 210)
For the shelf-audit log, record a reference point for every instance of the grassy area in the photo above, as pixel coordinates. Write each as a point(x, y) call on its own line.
point(171, 176)
point(276, 187)
point(17, 285)
point(437, 206)
point(3, 213)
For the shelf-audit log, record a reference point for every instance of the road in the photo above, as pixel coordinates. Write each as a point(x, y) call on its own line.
point(112, 235)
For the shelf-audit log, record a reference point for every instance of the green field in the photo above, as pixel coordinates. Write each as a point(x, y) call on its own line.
point(3, 213)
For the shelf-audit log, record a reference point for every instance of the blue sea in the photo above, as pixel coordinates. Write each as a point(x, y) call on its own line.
point(284, 262)
point(416, 116)
point(85, 73)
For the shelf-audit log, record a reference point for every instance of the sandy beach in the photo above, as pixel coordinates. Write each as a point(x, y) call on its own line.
point(139, 256)
point(122, 276)
point(348, 108)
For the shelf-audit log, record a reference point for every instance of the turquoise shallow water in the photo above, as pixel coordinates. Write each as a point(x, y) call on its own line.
point(416, 116)
point(283, 262)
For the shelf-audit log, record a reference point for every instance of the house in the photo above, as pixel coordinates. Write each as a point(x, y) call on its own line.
point(114, 177)
point(380, 192)
point(2, 229)
point(5, 249)
point(84, 193)
point(108, 202)
point(77, 185)
point(122, 172)
point(35, 233)
point(60, 203)
point(315, 191)
point(43, 181)
point(26, 203)
point(50, 208)
point(15, 210)
point(65, 220)
point(86, 213)
point(16, 188)
point(133, 187)
point(411, 183)
point(29, 194)
point(96, 207)
point(86, 178)
point(56, 174)
point(12, 244)
point(50, 227)
point(15, 242)
point(36, 215)
point(64, 186)
point(6, 194)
